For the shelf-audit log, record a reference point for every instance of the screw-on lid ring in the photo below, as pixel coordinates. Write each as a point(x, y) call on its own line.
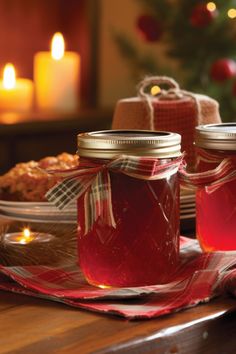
point(109, 143)
point(216, 136)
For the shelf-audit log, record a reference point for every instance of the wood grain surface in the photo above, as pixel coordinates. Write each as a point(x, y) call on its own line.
point(29, 325)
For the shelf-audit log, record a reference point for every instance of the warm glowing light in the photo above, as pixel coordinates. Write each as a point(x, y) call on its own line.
point(104, 286)
point(58, 46)
point(155, 90)
point(9, 77)
point(26, 232)
point(232, 13)
point(211, 6)
point(26, 236)
point(10, 118)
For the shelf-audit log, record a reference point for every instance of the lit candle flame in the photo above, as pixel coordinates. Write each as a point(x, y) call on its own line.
point(26, 236)
point(58, 46)
point(26, 232)
point(9, 77)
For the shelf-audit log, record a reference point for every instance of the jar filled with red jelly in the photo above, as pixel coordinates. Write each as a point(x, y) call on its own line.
point(216, 207)
point(128, 219)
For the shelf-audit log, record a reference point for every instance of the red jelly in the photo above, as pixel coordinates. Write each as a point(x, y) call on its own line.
point(215, 210)
point(143, 247)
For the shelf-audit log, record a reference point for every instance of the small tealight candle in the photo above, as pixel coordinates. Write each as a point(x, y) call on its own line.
point(56, 77)
point(16, 95)
point(26, 237)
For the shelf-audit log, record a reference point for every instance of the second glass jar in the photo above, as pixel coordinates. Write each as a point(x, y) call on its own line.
point(215, 210)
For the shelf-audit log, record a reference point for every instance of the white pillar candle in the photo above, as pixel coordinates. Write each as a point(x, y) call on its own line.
point(16, 95)
point(56, 77)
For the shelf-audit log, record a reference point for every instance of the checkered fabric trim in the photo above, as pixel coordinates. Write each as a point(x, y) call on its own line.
point(93, 181)
point(199, 278)
point(224, 172)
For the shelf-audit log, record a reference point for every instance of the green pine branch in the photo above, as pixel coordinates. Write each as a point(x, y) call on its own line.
point(195, 49)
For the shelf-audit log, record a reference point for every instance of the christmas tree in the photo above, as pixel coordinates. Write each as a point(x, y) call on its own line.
point(200, 35)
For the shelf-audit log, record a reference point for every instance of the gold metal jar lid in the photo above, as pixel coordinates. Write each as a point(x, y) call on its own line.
point(110, 143)
point(216, 136)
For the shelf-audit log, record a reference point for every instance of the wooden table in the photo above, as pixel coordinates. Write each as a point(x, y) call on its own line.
point(29, 325)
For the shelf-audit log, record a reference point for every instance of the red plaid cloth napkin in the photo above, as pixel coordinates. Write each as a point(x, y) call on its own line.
point(200, 277)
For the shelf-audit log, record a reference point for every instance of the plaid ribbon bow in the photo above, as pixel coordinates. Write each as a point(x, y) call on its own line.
point(93, 181)
point(224, 172)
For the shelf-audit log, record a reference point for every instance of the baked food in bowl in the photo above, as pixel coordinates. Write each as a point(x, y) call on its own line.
point(28, 181)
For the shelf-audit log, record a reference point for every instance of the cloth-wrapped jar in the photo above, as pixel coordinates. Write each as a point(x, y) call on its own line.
point(173, 110)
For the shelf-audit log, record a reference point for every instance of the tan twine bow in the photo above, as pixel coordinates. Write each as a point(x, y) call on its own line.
point(174, 92)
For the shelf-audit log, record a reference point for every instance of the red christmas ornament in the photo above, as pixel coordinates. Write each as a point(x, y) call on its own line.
point(223, 69)
point(149, 28)
point(201, 16)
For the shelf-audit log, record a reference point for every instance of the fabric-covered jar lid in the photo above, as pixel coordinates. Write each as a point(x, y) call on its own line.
point(216, 136)
point(110, 143)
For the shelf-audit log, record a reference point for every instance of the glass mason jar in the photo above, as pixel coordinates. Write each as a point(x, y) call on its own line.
point(216, 209)
point(142, 247)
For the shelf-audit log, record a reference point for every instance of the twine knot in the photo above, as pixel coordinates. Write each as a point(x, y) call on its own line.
point(172, 93)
